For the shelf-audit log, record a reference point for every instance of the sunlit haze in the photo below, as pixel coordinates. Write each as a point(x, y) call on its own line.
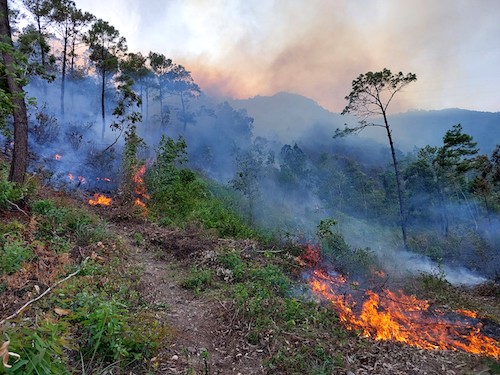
point(241, 48)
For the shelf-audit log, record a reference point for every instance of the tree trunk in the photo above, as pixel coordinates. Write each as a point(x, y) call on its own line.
point(444, 211)
point(103, 73)
point(398, 182)
point(146, 127)
point(161, 107)
point(184, 120)
point(19, 162)
point(63, 72)
point(40, 40)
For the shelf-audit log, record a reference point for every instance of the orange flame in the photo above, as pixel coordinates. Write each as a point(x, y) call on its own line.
point(138, 179)
point(57, 156)
point(403, 318)
point(140, 189)
point(139, 203)
point(100, 200)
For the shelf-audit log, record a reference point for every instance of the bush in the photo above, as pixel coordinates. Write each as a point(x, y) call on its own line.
point(9, 192)
point(232, 261)
point(43, 349)
point(346, 259)
point(198, 280)
point(12, 256)
point(111, 332)
point(213, 215)
point(55, 221)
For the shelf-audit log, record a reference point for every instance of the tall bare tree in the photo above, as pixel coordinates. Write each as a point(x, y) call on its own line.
point(370, 97)
point(107, 47)
point(67, 21)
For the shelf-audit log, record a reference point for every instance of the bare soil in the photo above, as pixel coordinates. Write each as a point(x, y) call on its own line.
point(202, 342)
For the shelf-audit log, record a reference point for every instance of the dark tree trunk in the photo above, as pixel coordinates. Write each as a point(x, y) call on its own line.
point(184, 119)
point(398, 183)
point(19, 162)
point(40, 40)
point(103, 114)
point(162, 114)
point(63, 73)
point(147, 107)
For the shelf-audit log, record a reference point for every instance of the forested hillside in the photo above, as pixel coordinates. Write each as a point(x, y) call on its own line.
point(139, 215)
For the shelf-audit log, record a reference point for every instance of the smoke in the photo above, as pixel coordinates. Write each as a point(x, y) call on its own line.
point(347, 179)
point(316, 48)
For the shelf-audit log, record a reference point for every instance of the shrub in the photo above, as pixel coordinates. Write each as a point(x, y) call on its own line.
point(43, 349)
point(12, 256)
point(346, 259)
point(197, 280)
point(232, 261)
point(111, 332)
point(9, 192)
point(213, 215)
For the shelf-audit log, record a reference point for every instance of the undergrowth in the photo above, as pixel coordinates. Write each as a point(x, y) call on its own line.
point(96, 322)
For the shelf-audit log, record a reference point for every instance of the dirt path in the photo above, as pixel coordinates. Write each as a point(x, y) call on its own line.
point(201, 341)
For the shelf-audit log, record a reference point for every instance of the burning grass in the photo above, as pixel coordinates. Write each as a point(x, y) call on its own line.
point(396, 316)
point(100, 200)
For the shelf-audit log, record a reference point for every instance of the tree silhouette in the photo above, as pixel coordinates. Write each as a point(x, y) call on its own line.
point(370, 96)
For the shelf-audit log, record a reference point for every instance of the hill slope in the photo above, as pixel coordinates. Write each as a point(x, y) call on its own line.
point(289, 117)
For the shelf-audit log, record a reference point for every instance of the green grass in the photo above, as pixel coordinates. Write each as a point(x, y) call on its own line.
point(12, 256)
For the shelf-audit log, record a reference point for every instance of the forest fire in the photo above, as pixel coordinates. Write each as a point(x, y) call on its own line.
point(140, 188)
point(81, 180)
point(100, 199)
point(387, 315)
point(57, 156)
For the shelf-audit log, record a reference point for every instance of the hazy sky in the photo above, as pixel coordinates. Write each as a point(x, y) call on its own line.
point(243, 48)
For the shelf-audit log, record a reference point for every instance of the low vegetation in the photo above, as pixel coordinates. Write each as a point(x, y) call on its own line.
point(98, 321)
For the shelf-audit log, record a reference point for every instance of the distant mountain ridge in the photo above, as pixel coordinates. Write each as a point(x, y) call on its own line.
point(288, 117)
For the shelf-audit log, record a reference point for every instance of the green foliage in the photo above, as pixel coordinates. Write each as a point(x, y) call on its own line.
point(212, 213)
point(249, 168)
point(233, 262)
point(305, 359)
point(11, 229)
point(273, 316)
point(43, 348)
point(130, 164)
point(111, 331)
point(435, 288)
point(198, 280)
point(138, 239)
point(102, 322)
point(57, 221)
point(179, 196)
point(170, 155)
point(9, 191)
point(335, 249)
point(12, 256)
point(366, 97)
point(174, 190)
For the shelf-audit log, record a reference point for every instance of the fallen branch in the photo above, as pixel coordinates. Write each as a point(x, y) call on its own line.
point(16, 206)
point(44, 293)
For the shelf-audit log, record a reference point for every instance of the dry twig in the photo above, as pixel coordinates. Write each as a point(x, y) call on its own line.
point(44, 293)
point(19, 208)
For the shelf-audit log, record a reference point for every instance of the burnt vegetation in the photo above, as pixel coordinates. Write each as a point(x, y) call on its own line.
point(129, 160)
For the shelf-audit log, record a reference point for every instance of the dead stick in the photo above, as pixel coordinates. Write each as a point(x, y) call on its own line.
point(44, 293)
point(16, 206)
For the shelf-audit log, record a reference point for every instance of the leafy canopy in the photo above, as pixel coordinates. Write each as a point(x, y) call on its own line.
point(373, 92)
